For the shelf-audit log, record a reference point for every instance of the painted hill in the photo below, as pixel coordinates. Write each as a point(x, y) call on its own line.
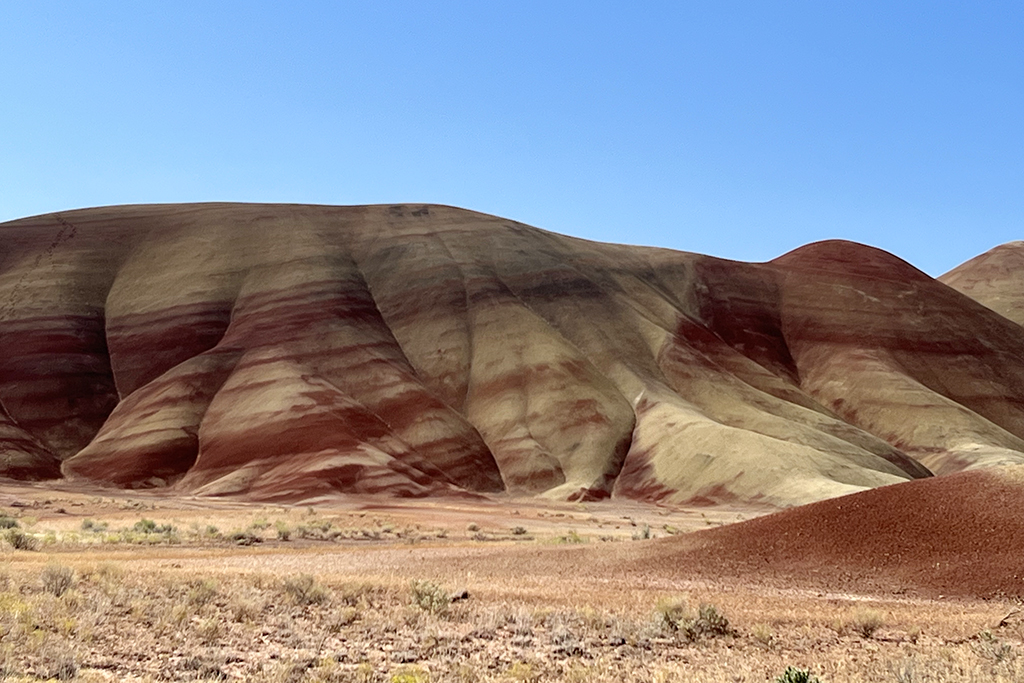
point(286, 352)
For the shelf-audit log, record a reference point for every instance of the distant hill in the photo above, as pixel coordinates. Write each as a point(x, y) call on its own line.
point(995, 279)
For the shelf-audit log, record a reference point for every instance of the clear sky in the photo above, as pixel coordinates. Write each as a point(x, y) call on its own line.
point(739, 129)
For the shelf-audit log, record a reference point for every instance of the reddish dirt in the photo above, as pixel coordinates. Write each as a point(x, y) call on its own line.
point(950, 536)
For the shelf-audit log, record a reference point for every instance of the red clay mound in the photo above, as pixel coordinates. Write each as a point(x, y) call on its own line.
point(960, 535)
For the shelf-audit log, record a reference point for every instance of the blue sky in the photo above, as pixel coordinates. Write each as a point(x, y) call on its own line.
point(739, 129)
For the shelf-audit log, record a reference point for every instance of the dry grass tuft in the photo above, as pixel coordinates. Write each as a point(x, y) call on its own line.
point(304, 590)
point(865, 622)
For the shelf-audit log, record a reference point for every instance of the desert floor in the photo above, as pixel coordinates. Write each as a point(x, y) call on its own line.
point(114, 585)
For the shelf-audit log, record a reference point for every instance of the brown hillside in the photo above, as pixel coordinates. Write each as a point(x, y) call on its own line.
point(953, 536)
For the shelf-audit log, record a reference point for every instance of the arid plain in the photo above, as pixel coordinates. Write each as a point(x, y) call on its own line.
point(172, 588)
point(416, 443)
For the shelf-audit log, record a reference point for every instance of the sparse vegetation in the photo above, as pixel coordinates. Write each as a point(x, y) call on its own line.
point(571, 536)
point(795, 675)
point(410, 674)
point(201, 591)
point(990, 647)
point(67, 614)
point(21, 540)
point(57, 579)
point(865, 622)
point(304, 590)
point(148, 526)
point(642, 534)
point(430, 597)
point(211, 623)
point(763, 634)
point(245, 537)
point(93, 526)
point(675, 616)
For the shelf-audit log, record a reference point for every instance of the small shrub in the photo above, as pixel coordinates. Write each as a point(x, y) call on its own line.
point(94, 526)
point(208, 630)
point(345, 617)
point(175, 616)
point(711, 622)
point(323, 530)
point(58, 665)
point(904, 672)
point(672, 613)
point(472, 526)
point(20, 540)
point(518, 531)
point(8, 522)
point(430, 597)
point(643, 533)
point(243, 611)
point(762, 633)
point(571, 537)
point(675, 616)
point(410, 674)
point(795, 675)
point(523, 672)
point(865, 622)
point(988, 646)
point(57, 579)
point(353, 593)
point(283, 532)
point(246, 537)
point(304, 590)
point(148, 526)
point(202, 670)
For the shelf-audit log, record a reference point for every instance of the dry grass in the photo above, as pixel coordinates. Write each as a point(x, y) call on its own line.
point(119, 623)
point(166, 594)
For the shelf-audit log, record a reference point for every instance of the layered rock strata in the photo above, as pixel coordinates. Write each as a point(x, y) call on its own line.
point(286, 352)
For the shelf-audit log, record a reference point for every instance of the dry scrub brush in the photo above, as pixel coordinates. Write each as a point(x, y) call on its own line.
point(102, 622)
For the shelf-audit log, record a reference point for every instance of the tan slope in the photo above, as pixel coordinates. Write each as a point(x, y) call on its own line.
point(995, 279)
